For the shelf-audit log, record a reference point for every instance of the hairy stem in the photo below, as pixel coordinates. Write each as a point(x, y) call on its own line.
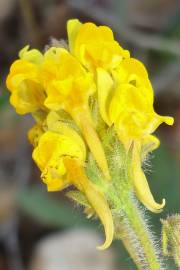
point(132, 229)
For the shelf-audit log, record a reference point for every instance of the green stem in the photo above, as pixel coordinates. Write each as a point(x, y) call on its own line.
point(132, 229)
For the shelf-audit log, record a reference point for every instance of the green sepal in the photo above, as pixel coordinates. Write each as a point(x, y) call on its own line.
point(80, 199)
point(94, 173)
point(119, 160)
point(171, 237)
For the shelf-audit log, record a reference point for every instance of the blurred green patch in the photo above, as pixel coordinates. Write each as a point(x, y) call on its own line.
point(48, 211)
point(4, 98)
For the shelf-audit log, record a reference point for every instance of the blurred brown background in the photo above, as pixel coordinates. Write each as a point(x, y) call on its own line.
point(43, 231)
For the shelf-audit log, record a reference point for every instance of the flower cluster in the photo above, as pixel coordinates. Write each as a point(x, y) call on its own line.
point(76, 95)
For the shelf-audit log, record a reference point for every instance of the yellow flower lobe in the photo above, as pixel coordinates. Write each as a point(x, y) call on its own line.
point(27, 93)
point(94, 45)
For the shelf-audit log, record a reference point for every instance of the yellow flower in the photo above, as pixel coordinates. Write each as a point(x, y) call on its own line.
point(126, 100)
point(61, 158)
point(49, 154)
point(94, 45)
point(27, 94)
point(67, 83)
point(69, 86)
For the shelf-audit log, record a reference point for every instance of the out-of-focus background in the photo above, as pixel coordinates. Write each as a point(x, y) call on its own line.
point(44, 231)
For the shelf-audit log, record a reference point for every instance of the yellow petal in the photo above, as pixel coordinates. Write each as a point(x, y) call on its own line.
point(94, 46)
point(27, 94)
point(28, 97)
point(57, 93)
point(21, 70)
point(33, 56)
point(73, 27)
point(56, 185)
point(168, 120)
point(93, 141)
point(158, 120)
point(141, 185)
point(97, 200)
point(134, 66)
point(54, 124)
point(104, 87)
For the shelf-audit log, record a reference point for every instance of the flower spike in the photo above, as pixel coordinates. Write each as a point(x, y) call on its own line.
point(94, 122)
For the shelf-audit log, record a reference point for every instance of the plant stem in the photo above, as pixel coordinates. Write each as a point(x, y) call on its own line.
point(132, 229)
